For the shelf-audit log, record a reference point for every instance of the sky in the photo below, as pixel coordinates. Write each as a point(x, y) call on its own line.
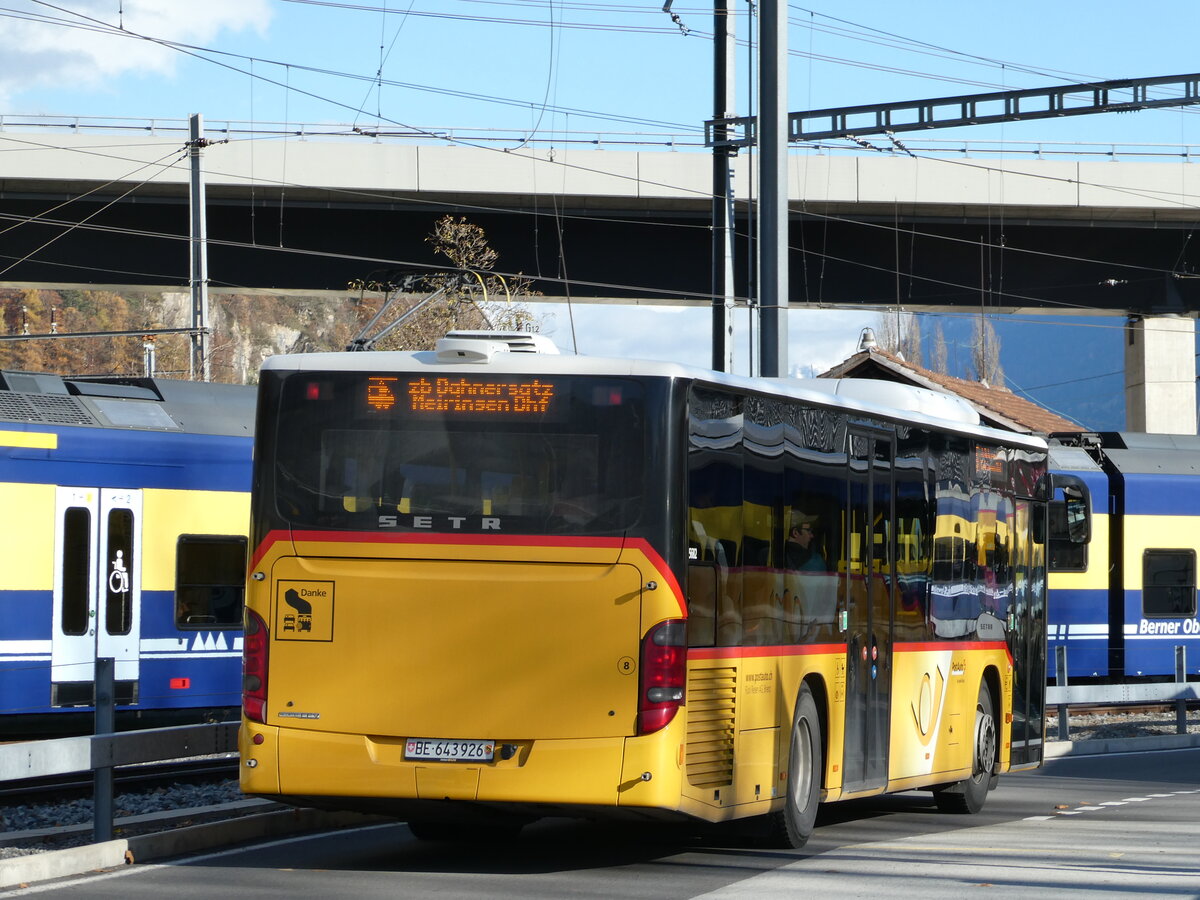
point(561, 70)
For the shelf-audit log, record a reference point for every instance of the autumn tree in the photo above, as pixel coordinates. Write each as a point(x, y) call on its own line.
point(468, 295)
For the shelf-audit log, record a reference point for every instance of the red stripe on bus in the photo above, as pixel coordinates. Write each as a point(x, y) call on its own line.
point(810, 649)
point(476, 540)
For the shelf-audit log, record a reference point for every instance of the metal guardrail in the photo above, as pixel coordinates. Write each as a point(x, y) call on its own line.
point(67, 756)
point(1086, 694)
point(1064, 695)
point(101, 752)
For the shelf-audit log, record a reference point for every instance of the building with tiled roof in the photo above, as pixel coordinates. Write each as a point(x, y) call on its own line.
point(997, 406)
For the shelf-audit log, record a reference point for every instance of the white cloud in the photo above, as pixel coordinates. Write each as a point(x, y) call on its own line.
point(77, 43)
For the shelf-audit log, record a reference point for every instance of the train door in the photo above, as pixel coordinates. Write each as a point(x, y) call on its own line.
point(870, 580)
point(97, 590)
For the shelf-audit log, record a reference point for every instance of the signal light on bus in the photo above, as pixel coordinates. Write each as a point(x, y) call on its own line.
point(664, 665)
point(607, 395)
point(254, 667)
point(180, 684)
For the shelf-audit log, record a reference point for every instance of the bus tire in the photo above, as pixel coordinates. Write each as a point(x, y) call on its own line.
point(968, 795)
point(793, 826)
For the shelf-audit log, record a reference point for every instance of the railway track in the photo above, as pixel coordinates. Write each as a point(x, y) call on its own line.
point(1125, 709)
point(125, 778)
point(53, 813)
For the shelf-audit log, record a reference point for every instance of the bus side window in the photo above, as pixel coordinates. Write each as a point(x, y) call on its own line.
point(702, 604)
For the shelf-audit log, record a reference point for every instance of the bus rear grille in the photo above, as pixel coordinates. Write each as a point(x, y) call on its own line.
point(711, 705)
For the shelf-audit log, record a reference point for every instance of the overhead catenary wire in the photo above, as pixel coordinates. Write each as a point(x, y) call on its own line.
point(807, 212)
point(1023, 298)
point(832, 219)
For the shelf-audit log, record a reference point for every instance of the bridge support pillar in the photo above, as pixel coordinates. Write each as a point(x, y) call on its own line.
point(1160, 374)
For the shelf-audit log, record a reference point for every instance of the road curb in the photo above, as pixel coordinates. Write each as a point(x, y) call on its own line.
point(24, 870)
point(1055, 749)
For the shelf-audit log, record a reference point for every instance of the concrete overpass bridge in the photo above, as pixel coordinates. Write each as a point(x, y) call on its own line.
point(1099, 229)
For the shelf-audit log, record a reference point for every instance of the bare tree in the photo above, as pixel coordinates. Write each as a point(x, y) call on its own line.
point(899, 333)
point(941, 352)
point(985, 354)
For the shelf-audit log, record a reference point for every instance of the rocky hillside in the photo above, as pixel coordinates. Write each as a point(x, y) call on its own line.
point(246, 328)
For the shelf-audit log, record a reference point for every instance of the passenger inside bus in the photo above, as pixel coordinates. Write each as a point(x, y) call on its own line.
point(802, 553)
point(810, 594)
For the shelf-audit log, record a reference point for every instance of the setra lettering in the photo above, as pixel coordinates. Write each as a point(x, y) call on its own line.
point(442, 523)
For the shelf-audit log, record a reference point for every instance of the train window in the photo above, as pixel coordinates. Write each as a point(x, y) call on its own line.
point(1169, 583)
point(76, 563)
point(210, 581)
point(118, 603)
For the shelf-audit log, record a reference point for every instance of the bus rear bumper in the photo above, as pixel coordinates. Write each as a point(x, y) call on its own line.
point(371, 774)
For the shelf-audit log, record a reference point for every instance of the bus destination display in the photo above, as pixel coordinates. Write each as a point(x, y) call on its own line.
point(460, 395)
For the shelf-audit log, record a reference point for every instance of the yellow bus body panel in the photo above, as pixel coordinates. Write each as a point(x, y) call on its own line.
point(740, 703)
point(641, 772)
point(933, 711)
point(560, 645)
point(338, 712)
point(431, 649)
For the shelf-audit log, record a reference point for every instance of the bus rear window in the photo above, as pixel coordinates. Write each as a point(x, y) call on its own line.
point(557, 455)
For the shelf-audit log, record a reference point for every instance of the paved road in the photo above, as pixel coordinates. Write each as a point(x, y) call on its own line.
point(1114, 826)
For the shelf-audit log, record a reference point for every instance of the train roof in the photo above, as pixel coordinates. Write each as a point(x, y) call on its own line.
point(1138, 453)
point(466, 353)
point(1066, 458)
point(134, 403)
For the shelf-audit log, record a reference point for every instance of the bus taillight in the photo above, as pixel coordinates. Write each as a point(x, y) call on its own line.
point(254, 667)
point(664, 665)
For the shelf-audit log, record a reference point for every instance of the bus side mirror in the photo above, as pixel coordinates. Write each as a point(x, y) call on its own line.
point(1070, 519)
point(1078, 521)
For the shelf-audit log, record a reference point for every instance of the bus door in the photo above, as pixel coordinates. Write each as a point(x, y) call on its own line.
point(97, 577)
point(869, 580)
point(1027, 635)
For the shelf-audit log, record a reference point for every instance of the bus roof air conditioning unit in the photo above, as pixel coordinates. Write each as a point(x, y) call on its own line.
point(481, 346)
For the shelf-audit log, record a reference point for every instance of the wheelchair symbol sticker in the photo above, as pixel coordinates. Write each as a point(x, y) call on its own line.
point(118, 576)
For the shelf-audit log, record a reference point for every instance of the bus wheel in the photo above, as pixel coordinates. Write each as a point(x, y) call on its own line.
point(794, 825)
point(968, 795)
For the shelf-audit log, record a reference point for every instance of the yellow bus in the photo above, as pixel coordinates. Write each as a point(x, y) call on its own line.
point(491, 583)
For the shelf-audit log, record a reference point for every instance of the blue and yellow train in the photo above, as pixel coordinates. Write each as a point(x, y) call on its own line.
point(1124, 536)
point(123, 535)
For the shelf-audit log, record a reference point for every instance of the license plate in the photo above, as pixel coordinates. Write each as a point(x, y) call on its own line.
point(449, 751)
